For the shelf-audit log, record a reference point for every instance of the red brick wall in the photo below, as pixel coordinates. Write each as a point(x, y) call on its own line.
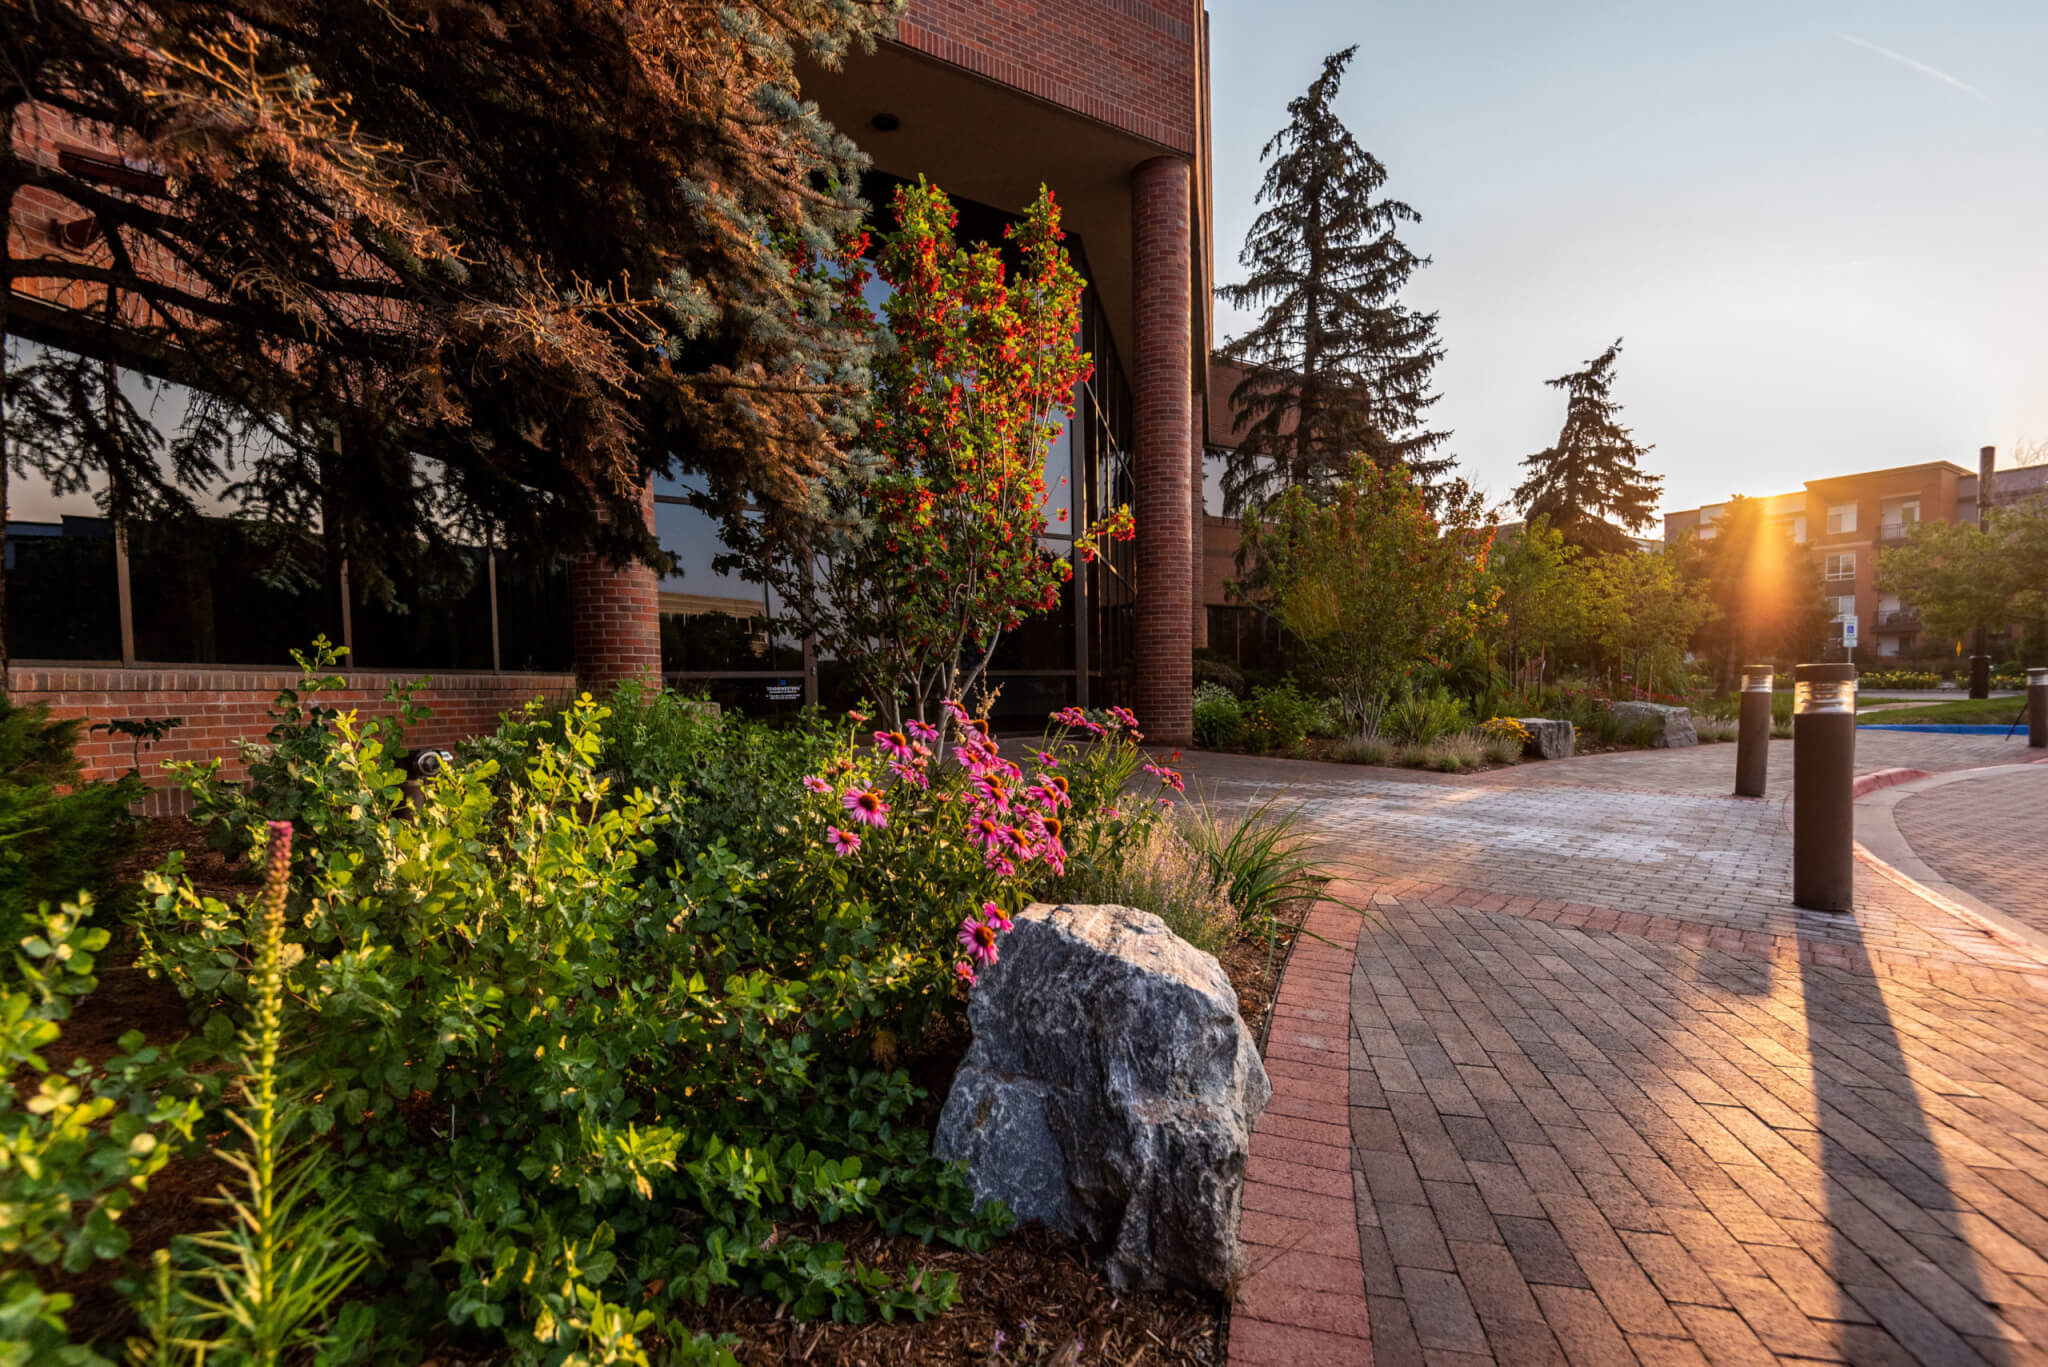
point(1163, 432)
point(221, 706)
point(1128, 63)
point(616, 611)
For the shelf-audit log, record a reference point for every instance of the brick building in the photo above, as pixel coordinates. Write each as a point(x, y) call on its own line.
point(1845, 521)
point(1106, 101)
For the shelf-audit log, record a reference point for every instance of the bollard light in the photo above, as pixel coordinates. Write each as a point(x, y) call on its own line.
point(2037, 709)
point(1823, 787)
point(1753, 732)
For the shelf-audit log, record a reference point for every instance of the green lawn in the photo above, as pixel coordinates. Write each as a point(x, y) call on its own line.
point(1977, 710)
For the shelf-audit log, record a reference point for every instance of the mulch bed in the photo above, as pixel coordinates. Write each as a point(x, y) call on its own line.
point(1041, 1291)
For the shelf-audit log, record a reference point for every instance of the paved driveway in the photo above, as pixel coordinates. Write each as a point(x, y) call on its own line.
point(1613, 1099)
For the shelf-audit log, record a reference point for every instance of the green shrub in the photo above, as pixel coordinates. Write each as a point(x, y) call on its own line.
point(1279, 718)
point(590, 1071)
point(1219, 717)
point(1211, 670)
point(1713, 731)
point(59, 835)
point(1898, 678)
point(76, 1150)
point(1422, 718)
point(1501, 749)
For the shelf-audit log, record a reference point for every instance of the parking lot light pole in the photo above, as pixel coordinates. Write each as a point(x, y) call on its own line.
point(1823, 787)
point(1753, 732)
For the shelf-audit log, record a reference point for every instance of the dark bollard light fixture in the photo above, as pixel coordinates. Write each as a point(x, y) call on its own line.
point(2037, 709)
point(1823, 787)
point(1753, 732)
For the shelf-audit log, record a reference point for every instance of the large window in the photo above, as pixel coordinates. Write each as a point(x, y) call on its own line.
point(1841, 565)
point(1841, 518)
point(214, 586)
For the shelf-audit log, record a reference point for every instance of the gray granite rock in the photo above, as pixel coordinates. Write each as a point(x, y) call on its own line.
point(1110, 1092)
point(1549, 738)
point(1670, 727)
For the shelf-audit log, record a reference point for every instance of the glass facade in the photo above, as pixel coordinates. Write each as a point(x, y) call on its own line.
point(219, 588)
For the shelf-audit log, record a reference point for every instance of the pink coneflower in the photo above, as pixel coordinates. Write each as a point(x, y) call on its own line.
point(1053, 853)
point(1050, 792)
point(1070, 716)
point(985, 832)
point(919, 730)
point(858, 717)
point(1018, 838)
point(1123, 716)
point(965, 972)
point(816, 784)
point(998, 863)
point(911, 772)
point(994, 791)
point(993, 914)
point(953, 709)
point(842, 842)
point(893, 743)
point(865, 805)
point(979, 937)
point(1047, 759)
point(1168, 778)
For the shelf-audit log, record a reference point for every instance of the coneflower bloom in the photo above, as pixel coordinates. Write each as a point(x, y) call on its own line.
point(893, 743)
point(1050, 791)
point(865, 805)
point(919, 730)
point(993, 914)
point(965, 972)
point(911, 772)
point(842, 842)
point(979, 937)
point(816, 784)
point(994, 791)
point(986, 832)
point(1047, 759)
point(1051, 826)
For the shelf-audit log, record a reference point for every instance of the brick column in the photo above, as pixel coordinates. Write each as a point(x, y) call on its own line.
point(616, 617)
point(1198, 619)
point(1163, 435)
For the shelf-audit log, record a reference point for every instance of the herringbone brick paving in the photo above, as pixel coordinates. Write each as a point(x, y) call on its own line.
point(1594, 1118)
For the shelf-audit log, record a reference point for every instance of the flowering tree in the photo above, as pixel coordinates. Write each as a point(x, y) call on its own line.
point(1372, 583)
point(931, 545)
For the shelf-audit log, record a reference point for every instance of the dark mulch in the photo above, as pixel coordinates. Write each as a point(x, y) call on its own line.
point(1039, 1290)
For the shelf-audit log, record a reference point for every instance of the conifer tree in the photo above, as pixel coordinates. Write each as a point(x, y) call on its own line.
point(1337, 367)
point(1589, 484)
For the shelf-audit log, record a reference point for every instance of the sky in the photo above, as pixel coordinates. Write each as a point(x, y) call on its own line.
point(1820, 229)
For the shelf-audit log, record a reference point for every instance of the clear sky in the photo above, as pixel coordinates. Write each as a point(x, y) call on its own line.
point(1821, 229)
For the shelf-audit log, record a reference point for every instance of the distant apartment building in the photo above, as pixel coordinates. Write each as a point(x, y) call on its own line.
point(1845, 520)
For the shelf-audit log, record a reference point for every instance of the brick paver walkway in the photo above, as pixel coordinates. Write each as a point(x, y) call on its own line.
point(1989, 836)
point(1614, 1100)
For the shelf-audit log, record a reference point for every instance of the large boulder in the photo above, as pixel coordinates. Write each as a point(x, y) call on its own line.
point(1668, 727)
point(1549, 738)
point(1110, 1092)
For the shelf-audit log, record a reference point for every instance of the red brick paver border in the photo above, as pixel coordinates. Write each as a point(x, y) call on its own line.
point(1302, 1294)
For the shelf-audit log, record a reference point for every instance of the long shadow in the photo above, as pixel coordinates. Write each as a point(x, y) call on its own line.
point(1900, 1250)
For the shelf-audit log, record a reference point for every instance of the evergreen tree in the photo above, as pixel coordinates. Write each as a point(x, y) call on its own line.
point(550, 246)
point(1337, 367)
point(1589, 485)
